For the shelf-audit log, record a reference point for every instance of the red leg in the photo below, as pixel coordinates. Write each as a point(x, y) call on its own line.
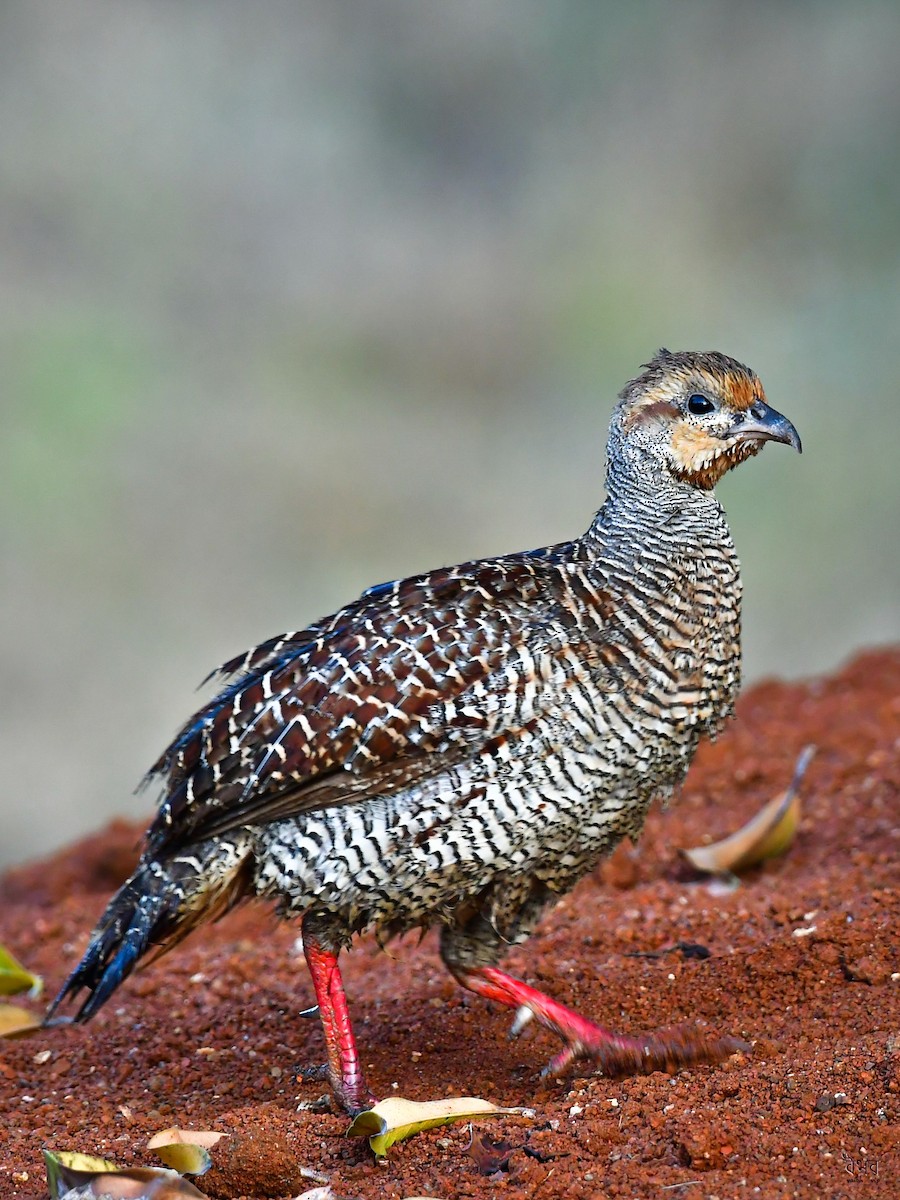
point(344, 1072)
point(615, 1053)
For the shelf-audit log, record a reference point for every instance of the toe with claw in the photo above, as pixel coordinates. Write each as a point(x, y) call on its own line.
point(612, 1053)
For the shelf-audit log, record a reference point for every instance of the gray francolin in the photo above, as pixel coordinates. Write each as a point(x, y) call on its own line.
point(460, 747)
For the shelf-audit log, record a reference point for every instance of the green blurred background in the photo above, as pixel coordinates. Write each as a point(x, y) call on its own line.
point(297, 298)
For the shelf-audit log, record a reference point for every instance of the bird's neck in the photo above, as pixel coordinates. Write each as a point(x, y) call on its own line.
point(645, 503)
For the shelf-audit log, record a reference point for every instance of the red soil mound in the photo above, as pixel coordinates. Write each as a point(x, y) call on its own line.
point(803, 963)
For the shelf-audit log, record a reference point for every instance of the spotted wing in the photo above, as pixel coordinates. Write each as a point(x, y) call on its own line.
point(361, 703)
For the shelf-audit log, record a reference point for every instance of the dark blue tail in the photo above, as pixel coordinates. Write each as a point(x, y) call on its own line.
point(159, 905)
point(142, 913)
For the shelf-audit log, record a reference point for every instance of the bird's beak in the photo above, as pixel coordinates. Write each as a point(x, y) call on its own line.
point(760, 423)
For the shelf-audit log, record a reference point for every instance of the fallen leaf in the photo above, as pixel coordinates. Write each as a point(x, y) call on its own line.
point(687, 949)
point(488, 1155)
point(14, 977)
point(206, 1138)
point(185, 1150)
point(73, 1176)
point(71, 1160)
point(765, 836)
point(394, 1119)
point(17, 1022)
point(185, 1158)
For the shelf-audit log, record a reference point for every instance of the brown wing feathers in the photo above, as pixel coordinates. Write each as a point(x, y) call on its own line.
point(354, 712)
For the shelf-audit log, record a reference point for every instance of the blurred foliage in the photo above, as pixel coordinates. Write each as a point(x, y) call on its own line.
point(72, 390)
point(299, 298)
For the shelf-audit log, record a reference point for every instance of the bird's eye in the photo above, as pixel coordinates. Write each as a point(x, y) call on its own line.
point(699, 405)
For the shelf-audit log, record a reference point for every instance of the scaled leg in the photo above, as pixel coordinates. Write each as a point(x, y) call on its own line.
point(344, 1072)
point(468, 954)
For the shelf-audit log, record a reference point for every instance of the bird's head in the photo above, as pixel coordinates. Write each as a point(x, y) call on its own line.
point(698, 414)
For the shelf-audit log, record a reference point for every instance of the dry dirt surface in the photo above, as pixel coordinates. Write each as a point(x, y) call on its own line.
point(803, 963)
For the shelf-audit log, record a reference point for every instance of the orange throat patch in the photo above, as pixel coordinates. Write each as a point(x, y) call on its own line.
point(701, 459)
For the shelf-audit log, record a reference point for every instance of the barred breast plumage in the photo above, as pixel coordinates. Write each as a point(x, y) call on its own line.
point(461, 746)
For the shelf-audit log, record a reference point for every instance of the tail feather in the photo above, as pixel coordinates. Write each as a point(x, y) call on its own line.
point(129, 927)
point(158, 906)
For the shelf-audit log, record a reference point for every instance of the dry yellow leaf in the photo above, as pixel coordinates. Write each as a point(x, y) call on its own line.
point(185, 1150)
point(394, 1119)
point(74, 1176)
point(17, 1022)
point(15, 978)
point(765, 836)
point(206, 1138)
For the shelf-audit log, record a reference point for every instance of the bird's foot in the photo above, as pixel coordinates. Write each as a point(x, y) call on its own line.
point(323, 1103)
point(616, 1054)
point(353, 1095)
point(613, 1053)
point(350, 1092)
point(342, 1071)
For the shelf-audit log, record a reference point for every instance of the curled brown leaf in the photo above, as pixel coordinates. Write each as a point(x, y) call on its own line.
point(766, 835)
